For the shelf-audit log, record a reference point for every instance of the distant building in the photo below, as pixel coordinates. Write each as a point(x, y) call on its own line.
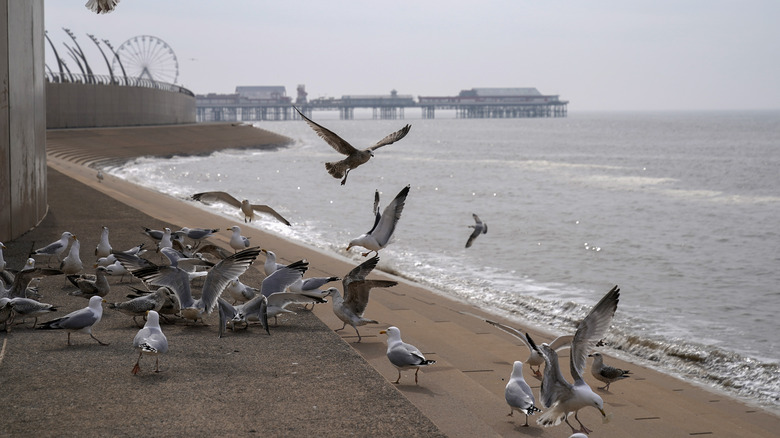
point(262, 92)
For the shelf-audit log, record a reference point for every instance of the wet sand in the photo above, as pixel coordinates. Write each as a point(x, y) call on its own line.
point(304, 377)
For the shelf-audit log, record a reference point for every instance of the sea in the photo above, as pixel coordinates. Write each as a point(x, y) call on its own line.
point(678, 209)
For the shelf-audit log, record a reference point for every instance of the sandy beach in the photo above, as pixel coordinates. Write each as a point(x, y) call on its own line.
point(305, 377)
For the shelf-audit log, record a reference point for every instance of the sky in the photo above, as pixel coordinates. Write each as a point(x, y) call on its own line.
point(600, 55)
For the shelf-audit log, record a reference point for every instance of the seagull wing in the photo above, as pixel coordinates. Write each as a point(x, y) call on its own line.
point(392, 138)
point(281, 278)
point(592, 329)
point(266, 209)
point(226, 313)
point(385, 227)
point(219, 276)
point(209, 197)
point(336, 142)
point(357, 294)
point(512, 331)
point(359, 273)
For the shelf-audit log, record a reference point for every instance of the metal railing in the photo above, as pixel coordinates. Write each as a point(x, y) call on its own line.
point(78, 78)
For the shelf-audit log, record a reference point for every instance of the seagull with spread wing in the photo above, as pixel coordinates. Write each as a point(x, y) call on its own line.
point(384, 224)
point(245, 206)
point(561, 397)
point(349, 309)
point(355, 157)
point(479, 228)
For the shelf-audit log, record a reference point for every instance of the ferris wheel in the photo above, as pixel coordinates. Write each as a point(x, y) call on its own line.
point(146, 57)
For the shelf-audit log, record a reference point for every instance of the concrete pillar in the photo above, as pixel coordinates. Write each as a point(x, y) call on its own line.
point(22, 117)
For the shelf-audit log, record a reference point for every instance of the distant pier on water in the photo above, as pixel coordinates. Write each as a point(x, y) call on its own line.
point(256, 103)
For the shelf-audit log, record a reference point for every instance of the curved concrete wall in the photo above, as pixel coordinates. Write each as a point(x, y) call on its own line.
point(74, 105)
point(22, 117)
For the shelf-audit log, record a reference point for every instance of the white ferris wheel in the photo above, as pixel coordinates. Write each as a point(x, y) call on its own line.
point(146, 57)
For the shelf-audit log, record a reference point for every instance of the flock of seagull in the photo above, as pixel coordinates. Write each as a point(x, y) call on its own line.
point(186, 255)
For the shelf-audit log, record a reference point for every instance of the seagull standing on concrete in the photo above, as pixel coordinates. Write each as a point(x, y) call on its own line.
point(81, 320)
point(355, 157)
point(606, 373)
point(237, 241)
point(72, 263)
point(103, 248)
point(151, 341)
point(55, 248)
point(350, 308)
point(518, 394)
point(90, 287)
point(402, 355)
point(245, 206)
point(384, 225)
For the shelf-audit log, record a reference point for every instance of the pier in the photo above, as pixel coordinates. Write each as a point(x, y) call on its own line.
point(271, 103)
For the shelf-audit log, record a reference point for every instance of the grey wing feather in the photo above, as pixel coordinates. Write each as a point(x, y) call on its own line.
point(75, 320)
point(511, 330)
point(226, 313)
point(554, 385)
point(225, 197)
point(280, 279)
point(392, 138)
point(592, 329)
point(266, 209)
point(358, 292)
point(385, 227)
point(220, 275)
point(336, 142)
point(360, 272)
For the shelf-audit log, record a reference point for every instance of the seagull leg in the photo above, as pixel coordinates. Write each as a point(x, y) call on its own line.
point(573, 430)
point(526, 421)
point(344, 181)
point(583, 429)
point(342, 327)
point(399, 377)
point(68, 338)
point(157, 365)
point(99, 341)
point(137, 366)
point(415, 375)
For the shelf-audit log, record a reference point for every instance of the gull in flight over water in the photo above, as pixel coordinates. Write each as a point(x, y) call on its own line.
point(561, 397)
point(355, 157)
point(350, 308)
point(479, 228)
point(518, 394)
point(384, 224)
point(606, 373)
point(402, 355)
point(245, 206)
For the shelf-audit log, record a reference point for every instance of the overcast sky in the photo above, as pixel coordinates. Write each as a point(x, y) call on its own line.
point(599, 55)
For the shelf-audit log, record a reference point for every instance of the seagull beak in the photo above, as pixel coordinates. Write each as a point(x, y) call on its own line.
point(382, 332)
point(349, 247)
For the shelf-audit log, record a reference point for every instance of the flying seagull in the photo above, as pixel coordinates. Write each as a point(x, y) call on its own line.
point(350, 308)
point(606, 373)
point(402, 355)
point(561, 397)
point(479, 228)
point(247, 208)
point(384, 224)
point(355, 157)
point(534, 358)
point(101, 6)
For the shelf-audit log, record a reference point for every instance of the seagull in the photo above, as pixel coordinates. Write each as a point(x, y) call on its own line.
point(101, 6)
point(197, 234)
point(3, 264)
point(99, 172)
point(246, 207)
point(560, 396)
point(103, 248)
point(178, 280)
point(350, 308)
point(6, 313)
point(402, 355)
point(72, 264)
point(384, 225)
point(165, 239)
point(27, 308)
point(89, 287)
point(311, 286)
point(150, 340)
point(518, 394)
point(534, 358)
point(81, 320)
point(55, 248)
point(117, 268)
point(138, 306)
point(479, 228)
point(238, 291)
point(606, 373)
point(270, 264)
point(155, 235)
point(237, 241)
point(22, 279)
point(355, 157)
